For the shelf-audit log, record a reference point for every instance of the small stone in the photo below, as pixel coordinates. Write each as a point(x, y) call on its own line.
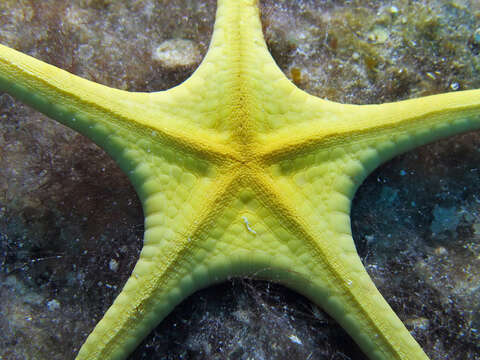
point(393, 10)
point(419, 323)
point(378, 35)
point(476, 36)
point(177, 52)
point(53, 305)
point(113, 265)
point(295, 339)
point(455, 86)
point(441, 251)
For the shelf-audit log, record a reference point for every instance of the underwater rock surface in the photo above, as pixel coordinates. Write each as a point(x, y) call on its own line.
point(71, 224)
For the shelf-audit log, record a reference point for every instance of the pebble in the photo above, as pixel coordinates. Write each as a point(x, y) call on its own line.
point(476, 36)
point(177, 52)
point(113, 265)
point(53, 305)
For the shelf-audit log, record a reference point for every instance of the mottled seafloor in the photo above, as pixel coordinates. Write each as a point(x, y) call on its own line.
point(71, 224)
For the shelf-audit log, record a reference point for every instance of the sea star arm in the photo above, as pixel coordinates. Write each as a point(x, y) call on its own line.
point(109, 116)
point(178, 238)
point(316, 189)
point(408, 124)
point(373, 134)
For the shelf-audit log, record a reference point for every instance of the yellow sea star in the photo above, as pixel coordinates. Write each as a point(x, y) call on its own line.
point(241, 173)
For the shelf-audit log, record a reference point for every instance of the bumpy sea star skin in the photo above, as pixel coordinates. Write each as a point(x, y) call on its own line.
point(239, 174)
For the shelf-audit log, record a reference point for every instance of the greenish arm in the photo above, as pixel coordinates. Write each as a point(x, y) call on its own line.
point(387, 130)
